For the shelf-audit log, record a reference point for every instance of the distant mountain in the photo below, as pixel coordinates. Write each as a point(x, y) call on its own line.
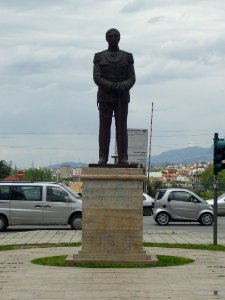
point(184, 155)
point(176, 156)
point(71, 164)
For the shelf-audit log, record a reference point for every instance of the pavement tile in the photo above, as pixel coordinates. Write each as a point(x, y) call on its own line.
point(22, 280)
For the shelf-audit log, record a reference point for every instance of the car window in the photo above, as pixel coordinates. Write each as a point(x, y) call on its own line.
point(75, 194)
point(160, 194)
point(4, 192)
point(56, 194)
point(181, 196)
point(30, 193)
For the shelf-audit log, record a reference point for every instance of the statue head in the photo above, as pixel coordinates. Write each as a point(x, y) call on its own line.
point(113, 37)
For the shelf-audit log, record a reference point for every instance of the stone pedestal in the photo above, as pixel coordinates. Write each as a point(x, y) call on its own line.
point(112, 216)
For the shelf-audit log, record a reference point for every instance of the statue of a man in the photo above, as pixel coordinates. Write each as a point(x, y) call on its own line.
point(114, 75)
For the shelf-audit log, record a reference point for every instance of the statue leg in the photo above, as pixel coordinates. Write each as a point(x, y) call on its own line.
point(121, 132)
point(105, 121)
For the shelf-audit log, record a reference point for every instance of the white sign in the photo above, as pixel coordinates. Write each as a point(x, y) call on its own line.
point(137, 146)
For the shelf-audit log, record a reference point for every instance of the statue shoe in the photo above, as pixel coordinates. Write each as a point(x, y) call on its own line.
point(102, 161)
point(123, 161)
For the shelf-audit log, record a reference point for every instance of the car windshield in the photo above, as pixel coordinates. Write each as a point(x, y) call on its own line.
point(222, 196)
point(75, 194)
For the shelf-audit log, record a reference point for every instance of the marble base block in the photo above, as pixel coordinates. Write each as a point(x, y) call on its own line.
point(112, 216)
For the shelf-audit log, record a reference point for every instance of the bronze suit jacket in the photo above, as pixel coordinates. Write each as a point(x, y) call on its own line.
point(111, 67)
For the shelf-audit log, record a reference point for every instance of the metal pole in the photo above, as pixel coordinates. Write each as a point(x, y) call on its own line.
point(150, 143)
point(215, 209)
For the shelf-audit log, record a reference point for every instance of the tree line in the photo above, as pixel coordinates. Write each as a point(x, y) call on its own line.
point(32, 174)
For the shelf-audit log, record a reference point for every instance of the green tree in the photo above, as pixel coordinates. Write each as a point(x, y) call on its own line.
point(37, 174)
point(221, 181)
point(207, 179)
point(153, 186)
point(5, 169)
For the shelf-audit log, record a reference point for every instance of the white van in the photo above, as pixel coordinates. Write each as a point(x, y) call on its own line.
point(39, 203)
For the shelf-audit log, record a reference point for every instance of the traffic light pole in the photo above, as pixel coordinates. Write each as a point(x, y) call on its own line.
point(215, 209)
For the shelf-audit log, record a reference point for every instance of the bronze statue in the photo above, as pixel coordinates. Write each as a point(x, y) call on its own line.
point(114, 75)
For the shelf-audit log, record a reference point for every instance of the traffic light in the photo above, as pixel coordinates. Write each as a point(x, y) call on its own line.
point(219, 154)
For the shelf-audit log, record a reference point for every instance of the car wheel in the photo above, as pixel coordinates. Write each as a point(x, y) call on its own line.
point(76, 222)
point(3, 223)
point(147, 211)
point(206, 219)
point(163, 218)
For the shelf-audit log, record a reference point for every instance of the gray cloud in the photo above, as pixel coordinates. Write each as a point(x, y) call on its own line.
point(156, 19)
point(136, 5)
point(46, 84)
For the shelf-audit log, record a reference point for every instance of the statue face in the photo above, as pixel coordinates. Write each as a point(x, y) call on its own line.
point(113, 39)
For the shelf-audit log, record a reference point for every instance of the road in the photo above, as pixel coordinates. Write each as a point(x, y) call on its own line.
point(148, 224)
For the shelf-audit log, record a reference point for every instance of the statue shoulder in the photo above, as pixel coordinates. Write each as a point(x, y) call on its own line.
point(98, 56)
point(129, 56)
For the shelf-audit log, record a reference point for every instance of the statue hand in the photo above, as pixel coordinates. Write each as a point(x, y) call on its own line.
point(118, 87)
point(122, 87)
point(114, 86)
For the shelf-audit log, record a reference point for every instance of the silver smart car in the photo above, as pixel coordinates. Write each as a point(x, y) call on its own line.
point(181, 205)
point(39, 203)
point(220, 205)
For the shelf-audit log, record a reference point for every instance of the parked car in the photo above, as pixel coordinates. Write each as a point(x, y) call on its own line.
point(148, 203)
point(220, 204)
point(181, 205)
point(39, 203)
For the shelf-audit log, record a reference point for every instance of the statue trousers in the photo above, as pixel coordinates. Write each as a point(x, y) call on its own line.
point(106, 113)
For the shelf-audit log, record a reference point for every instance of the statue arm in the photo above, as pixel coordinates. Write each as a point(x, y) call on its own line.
point(131, 78)
point(131, 73)
point(98, 76)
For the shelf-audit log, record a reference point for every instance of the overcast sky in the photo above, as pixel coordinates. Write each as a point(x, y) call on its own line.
point(48, 110)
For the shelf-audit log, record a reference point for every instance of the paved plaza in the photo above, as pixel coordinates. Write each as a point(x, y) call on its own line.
point(21, 280)
point(73, 236)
